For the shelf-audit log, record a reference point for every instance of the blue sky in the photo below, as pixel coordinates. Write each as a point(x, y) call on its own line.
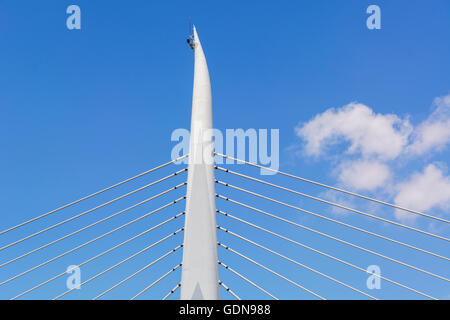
point(83, 109)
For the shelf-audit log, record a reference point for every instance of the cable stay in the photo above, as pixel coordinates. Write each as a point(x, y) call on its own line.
point(246, 280)
point(107, 251)
point(122, 262)
point(329, 256)
point(95, 208)
point(270, 270)
point(332, 220)
point(90, 241)
point(92, 224)
point(301, 194)
point(297, 263)
point(171, 291)
point(334, 188)
point(223, 285)
point(93, 194)
point(320, 216)
point(146, 288)
point(354, 246)
point(133, 275)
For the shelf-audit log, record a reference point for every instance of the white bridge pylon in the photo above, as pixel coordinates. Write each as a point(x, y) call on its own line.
point(199, 277)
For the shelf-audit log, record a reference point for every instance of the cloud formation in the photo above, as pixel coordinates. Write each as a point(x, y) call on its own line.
point(368, 133)
point(370, 142)
point(364, 174)
point(434, 133)
point(423, 191)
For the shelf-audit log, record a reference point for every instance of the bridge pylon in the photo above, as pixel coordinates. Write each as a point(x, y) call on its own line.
point(199, 277)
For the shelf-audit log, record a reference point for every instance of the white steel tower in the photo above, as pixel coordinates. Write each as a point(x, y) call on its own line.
point(199, 277)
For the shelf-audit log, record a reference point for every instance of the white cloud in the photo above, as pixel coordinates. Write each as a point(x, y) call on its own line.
point(369, 142)
point(424, 191)
point(369, 134)
point(364, 175)
point(433, 133)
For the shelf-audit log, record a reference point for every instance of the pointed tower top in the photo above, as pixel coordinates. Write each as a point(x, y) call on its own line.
point(195, 31)
point(193, 38)
point(196, 38)
point(199, 276)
